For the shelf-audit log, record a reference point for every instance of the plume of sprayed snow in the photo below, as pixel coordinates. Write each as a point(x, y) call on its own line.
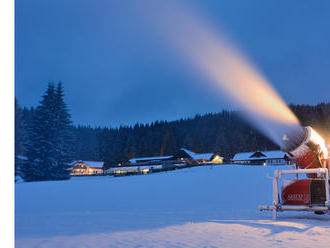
point(209, 51)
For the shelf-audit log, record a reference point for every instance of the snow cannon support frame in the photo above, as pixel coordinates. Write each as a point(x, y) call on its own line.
point(322, 173)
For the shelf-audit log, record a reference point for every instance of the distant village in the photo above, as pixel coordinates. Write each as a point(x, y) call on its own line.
point(184, 158)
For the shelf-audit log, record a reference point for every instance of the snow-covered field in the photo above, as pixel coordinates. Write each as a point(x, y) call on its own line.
point(197, 207)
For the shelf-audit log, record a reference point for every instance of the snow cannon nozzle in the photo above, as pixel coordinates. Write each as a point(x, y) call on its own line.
point(305, 147)
point(293, 138)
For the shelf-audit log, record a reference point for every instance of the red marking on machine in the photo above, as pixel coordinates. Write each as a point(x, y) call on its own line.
point(297, 193)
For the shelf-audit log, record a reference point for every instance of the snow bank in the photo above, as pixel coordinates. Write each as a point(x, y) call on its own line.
point(201, 206)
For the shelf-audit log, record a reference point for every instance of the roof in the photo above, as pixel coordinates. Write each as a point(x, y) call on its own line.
point(93, 164)
point(198, 156)
point(257, 155)
point(124, 168)
point(134, 160)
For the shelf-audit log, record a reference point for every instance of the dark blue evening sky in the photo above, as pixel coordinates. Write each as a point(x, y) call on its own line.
point(115, 70)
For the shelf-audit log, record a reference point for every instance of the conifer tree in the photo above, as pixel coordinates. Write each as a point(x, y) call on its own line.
point(64, 127)
point(19, 136)
point(49, 133)
point(19, 130)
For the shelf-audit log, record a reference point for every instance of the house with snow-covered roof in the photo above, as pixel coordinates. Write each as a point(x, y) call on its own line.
point(261, 158)
point(192, 157)
point(135, 168)
point(81, 167)
point(140, 165)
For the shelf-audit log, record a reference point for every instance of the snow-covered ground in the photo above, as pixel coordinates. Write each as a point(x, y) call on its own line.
point(197, 207)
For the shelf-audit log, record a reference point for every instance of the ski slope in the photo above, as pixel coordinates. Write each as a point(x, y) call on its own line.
point(197, 207)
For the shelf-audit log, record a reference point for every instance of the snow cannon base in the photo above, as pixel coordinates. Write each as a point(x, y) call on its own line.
point(300, 194)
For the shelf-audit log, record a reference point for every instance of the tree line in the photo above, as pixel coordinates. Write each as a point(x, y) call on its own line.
point(224, 132)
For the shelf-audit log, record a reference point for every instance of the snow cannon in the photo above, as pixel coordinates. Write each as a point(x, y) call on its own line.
point(307, 149)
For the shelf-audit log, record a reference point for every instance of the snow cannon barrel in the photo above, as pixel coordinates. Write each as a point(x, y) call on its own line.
point(306, 148)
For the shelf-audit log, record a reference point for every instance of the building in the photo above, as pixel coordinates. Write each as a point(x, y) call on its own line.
point(141, 165)
point(261, 158)
point(133, 169)
point(198, 158)
point(81, 168)
point(181, 159)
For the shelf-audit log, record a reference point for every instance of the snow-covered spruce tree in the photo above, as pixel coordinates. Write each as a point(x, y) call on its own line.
point(19, 137)
point(19, 130)
point(49, 138)
point(63, 124)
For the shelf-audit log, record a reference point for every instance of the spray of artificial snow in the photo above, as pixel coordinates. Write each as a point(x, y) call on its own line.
point(209, 51)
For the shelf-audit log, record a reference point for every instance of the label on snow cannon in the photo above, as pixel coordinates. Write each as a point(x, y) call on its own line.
point(304, 192)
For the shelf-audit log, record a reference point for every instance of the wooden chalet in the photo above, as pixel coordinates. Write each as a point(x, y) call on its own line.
point(81, 168)
point(261, 158)
point(197, 158)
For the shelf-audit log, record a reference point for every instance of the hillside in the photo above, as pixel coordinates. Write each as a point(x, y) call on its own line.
point(225, 133)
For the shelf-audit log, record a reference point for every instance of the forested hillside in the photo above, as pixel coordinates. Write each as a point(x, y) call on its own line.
point(223, 132)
